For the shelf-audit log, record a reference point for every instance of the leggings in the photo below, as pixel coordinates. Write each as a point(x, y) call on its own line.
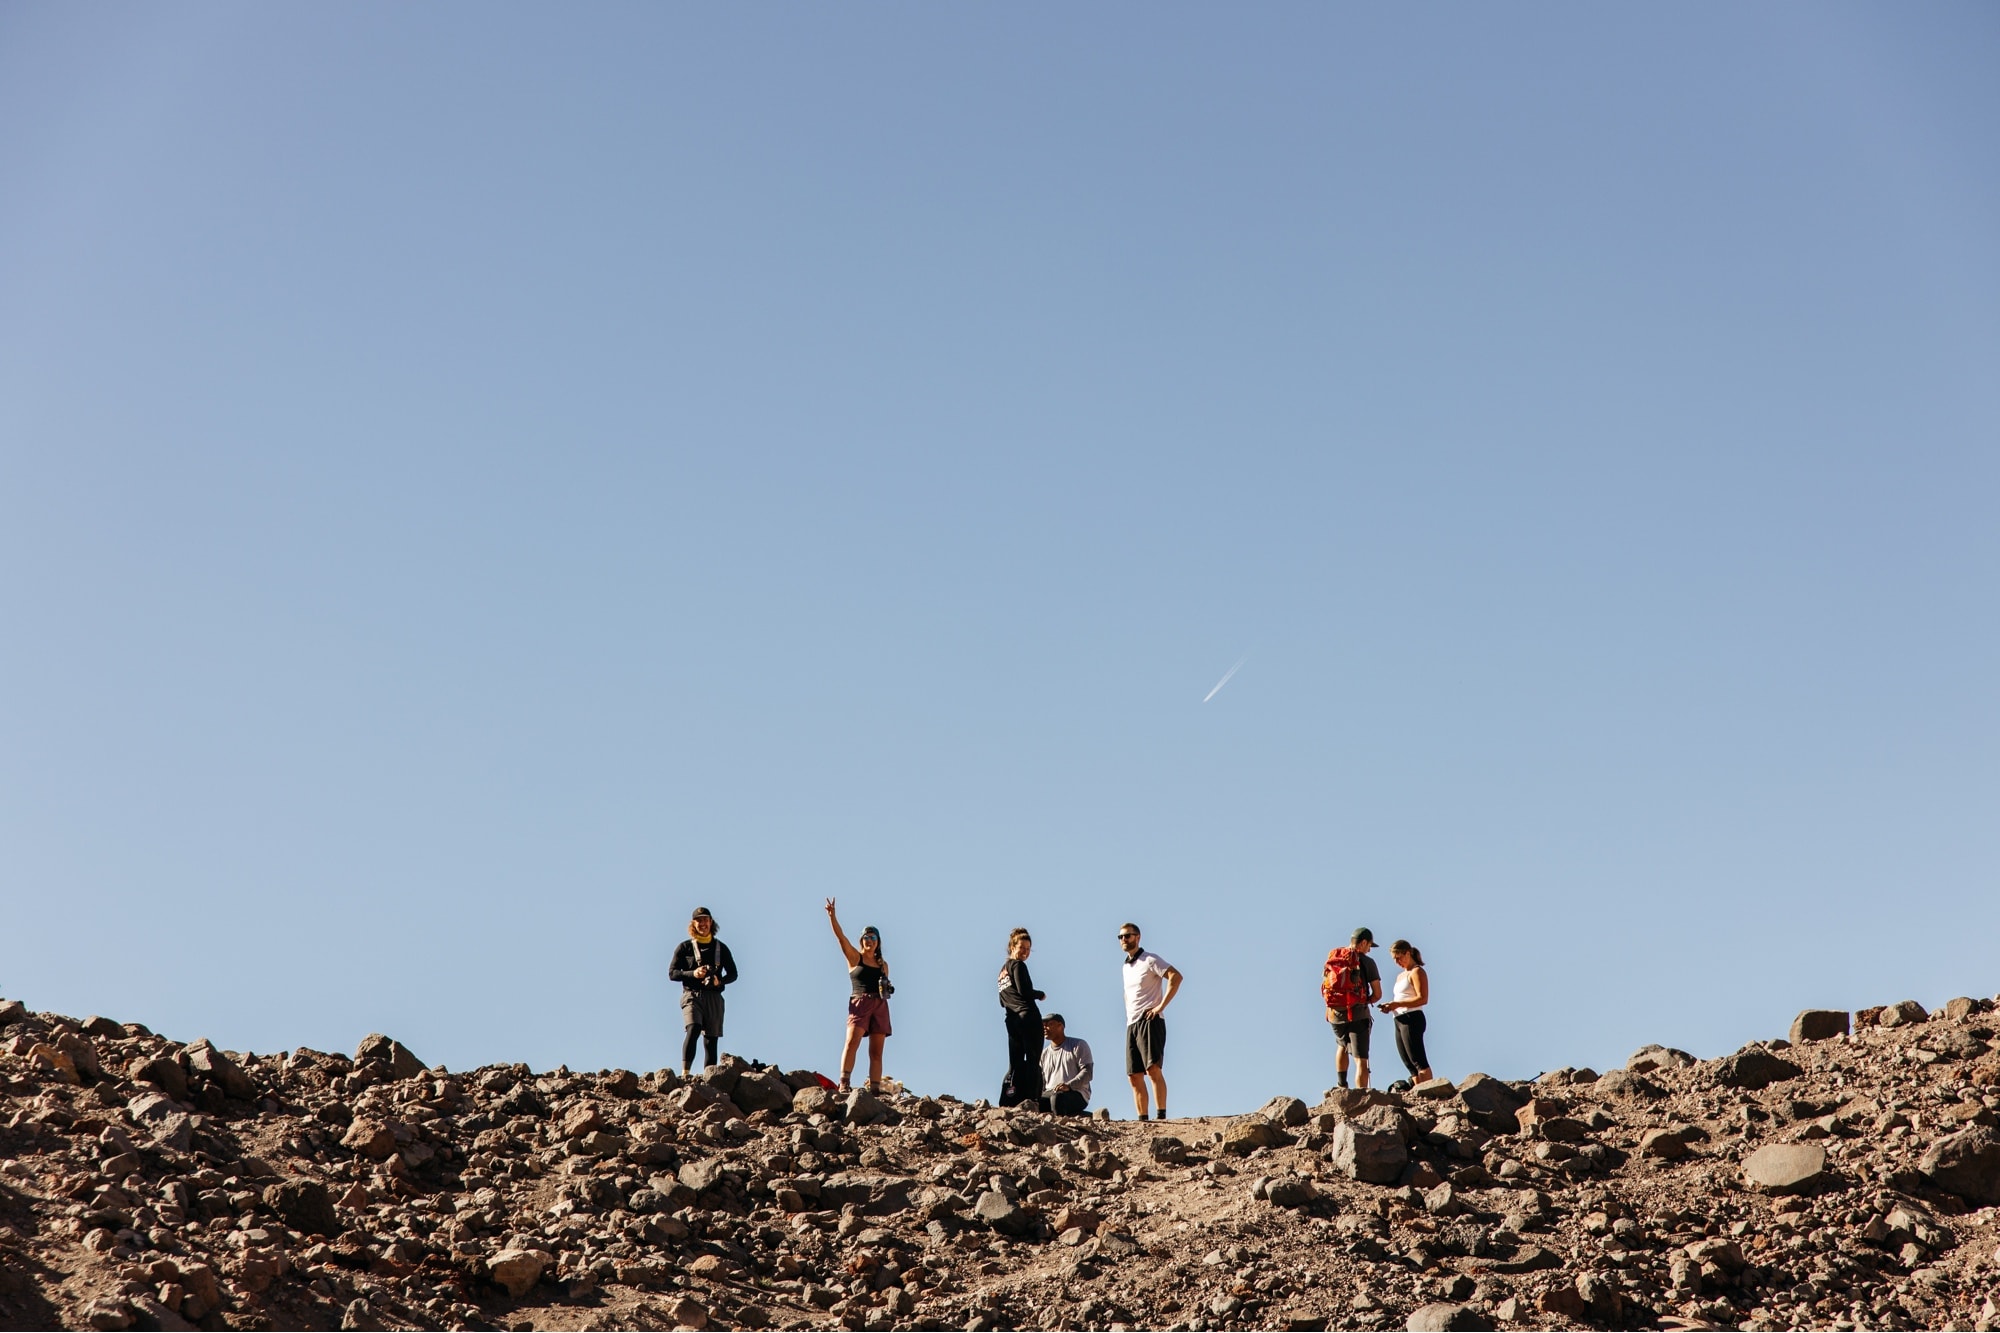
point(1410, 1040)
point(1024, 1055)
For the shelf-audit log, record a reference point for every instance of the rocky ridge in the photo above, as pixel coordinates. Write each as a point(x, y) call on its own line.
point(1846, 1176)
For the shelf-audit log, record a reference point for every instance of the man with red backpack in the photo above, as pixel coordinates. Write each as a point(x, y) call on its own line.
point(1350, 984)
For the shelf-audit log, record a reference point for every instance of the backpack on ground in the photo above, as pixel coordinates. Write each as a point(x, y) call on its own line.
point(1341, 985)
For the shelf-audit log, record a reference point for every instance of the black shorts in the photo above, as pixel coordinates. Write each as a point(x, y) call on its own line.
point(1353, 1035)
point(701, 1011)
point(1145, 1044)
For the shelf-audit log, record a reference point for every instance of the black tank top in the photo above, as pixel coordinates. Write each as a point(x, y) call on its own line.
point(866, 980)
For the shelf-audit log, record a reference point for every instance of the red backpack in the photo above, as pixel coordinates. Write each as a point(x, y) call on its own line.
point(1341, 985)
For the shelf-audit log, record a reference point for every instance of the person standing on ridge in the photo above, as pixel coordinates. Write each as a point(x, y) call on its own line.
point(1349, 984)
point(1024, 1022)
point(1412, 993)
point(703, 966)
point(1145, 1026)
point(867, 1001)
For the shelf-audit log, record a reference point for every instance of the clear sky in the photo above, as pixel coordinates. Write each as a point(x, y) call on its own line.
point(478, 480)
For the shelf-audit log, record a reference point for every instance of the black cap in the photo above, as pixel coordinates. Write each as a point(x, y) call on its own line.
point(701, 911)
point(1053, 1018)
point(1363, 933)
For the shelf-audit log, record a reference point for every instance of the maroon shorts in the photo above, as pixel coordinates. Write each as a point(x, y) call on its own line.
point(868, 1014)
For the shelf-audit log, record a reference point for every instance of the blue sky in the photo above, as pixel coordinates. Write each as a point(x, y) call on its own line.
point(478, 481)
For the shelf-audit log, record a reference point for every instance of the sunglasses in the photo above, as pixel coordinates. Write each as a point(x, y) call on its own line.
point(1127, 935)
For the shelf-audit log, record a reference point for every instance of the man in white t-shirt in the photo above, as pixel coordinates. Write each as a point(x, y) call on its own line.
point(1145, 1028)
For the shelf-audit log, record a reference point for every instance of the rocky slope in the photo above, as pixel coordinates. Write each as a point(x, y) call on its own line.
point(1836, 1179)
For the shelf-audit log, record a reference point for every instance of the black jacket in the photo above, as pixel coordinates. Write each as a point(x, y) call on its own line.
point(714, 955)
point(1017, 991)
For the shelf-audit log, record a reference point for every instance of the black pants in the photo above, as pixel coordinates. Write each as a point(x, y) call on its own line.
point(1065, 1103)
point(701, 1010)
point(1024, 1056)
point(1410, 1040)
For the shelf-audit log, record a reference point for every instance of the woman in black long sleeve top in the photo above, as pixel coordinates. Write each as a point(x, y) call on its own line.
point(1024, 1022)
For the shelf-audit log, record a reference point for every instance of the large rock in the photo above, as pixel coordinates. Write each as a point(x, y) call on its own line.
point(758, 1091)
point(1287, 1111)
point(1291, 1192)
point(1783, 1168)
point(1447, 1317)
point(1625, 1083)
point(369, 1137)
point(217, 1068)
point(165, 1074)
point(1346, 1103)
point(12, 1011)
point(865, 1108)
point(1245, 1134)
point(517, 1270)
point(1005, 1216)
point(1819, 1025)
point(724, 1075)
point(1360, 1152)
point(1754, 1068)
point(1491, 1102)
point(1966, 1164)
point(401, 1061)
point(305, 1205)
point(1901, 1014)
point(710, 1173)
point(1962, 1007)
point(1648, 1059)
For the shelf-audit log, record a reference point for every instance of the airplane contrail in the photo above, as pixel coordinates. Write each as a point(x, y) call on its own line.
point(1225, 678)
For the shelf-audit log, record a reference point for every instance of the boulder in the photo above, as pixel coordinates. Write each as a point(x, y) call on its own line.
point(724, 1075)
point(1434, 1089)
point(865, 1108)
point(1782, 1168)
point(165, 1074)
point(1364, 1153)
point(760, 1091)
point(517, 1270)
point(580, 1120)
point(1287, 1111)
point(219, 1069)
point(1901, 1014)
point(687, 1312)
point(1966, 1164)
point(1669, 1145)
point(1345, 1103)
point(815, 1100)
point(369, 1137)
point(1754, 1068)
point(1001, 1213)
point(706, 1175)
point(1245, 1134)
point(401, 1061)
point(1291, 1192)
point(1819, 1025)
point(305, 1206)
point(82, 1055)
point(1491, 1102)
point(1961, 1008)
point(1648, 1059)
point(1447, 1317)
point(1625, 1083)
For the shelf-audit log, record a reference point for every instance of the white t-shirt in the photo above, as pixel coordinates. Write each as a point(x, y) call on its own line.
point(1142, 983)
point(1406, 989)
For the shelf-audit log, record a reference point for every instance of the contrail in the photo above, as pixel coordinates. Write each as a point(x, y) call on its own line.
point(1225, 678)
